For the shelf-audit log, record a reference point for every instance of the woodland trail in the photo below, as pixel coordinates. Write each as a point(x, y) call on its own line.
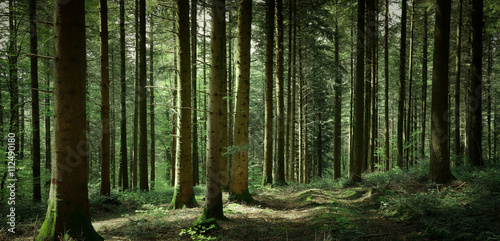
point(276, 214)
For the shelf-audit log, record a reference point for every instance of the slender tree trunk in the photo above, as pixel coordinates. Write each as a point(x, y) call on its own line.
point(230, 90)
point(151, 106)
point(105, 137)
point(475, 100)
point(175, 115)
point(358, 105)
point(194, 63)
point(424, 83)
point(489, 92)
point(136, 99)
point(289, 95)
point(293, 90)
point(370, 37)
point(184, 193)
point(319, 150)
point(268, 131)
point(68, 212)
point(213, 204)
point(280, 95)
point(205, 118)
point(386, 83)
point(48, 132)
point(224, 123)
point(458, 139)
point(123, 121)
point(337, 129)
point(143, 138)
point(440, 157)
point(35, 108)
point(238, 188)
point(402, 84)
point(410, 82)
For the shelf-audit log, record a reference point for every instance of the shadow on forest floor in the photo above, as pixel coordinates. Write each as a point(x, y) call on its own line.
point(399, 205)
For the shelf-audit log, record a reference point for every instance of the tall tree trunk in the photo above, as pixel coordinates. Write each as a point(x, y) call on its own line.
point(213, 204)
point(410, 82)
point(358, 105)
point(475, 99)
point(230, 90)
point(386, 83)
point(143, 118)
point(294, 90)
point(105, 122)
point(175, 115)
point(35, 108)
point(424, 83)
point(268, 131)
point(136, 100)
point(458, 139)
point(300, 115)
point(48, 132)
point(238, 187)
point(489, 93)
point(194, 63)
point(337, 129)
point(440, 156)
point(280, 95)
point(289, 95)
point(370, 44)
point(224, 123)
point(205, 117)
point(402, 84)
point(151, 106)
point(123, 121)
point(68, 212)
point(184, 193)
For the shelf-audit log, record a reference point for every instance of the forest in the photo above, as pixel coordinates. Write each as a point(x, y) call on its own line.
point(249, 120)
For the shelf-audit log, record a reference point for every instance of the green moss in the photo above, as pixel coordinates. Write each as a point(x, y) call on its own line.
point(178, 204)
point(77, 227)
point(244, 197)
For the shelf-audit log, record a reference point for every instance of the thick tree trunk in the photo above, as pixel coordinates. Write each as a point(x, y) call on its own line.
point(35, 106)
point(268, 131)
point(184, 193)
point(475, 99)
point(105, 122)
point(68, 212)
point(238, 187)
point(213, 204)
point(402, 85)
point(440, 157)
point(358, 105)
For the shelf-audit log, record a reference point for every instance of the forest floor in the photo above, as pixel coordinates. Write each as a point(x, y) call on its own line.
point(398, 205)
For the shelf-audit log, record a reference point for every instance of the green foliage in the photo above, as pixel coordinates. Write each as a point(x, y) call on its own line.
point(199, 233)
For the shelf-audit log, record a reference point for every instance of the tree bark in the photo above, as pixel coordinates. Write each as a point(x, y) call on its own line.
point(424, 83)
point(194, 63)
point(280, 95)
point(238, 187)
point(293, 90)
point(184, 193)
point(136, 100)
point(35, 106)
point(402, 85)
point(440, 157)
point(358, 105)
point(68, 212)
point(105, 122)
point(152, 106)
point(175, 115)
point(386, 83)
point(337, 129)
point(475, 99)
point(123, 121)
point(410, 83)
point(143, 118)
point(458, 139)
point(268, 132)
point(213, 204)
